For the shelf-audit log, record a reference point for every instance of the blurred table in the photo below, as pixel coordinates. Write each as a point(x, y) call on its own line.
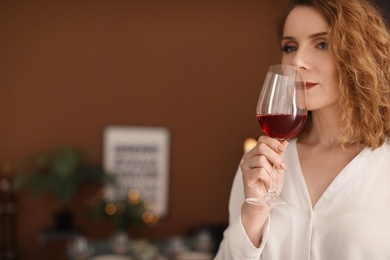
point(199, 244)
point(175, 248)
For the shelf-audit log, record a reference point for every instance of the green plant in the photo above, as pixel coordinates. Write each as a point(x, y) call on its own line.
point(60, 171)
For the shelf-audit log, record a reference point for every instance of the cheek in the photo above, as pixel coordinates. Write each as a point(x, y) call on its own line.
point(332, 83)
point(285, 59)
point(330, 71)
point(324, 97)
point(330, 77)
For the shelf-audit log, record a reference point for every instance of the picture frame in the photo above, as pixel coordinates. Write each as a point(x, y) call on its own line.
point(138, 158)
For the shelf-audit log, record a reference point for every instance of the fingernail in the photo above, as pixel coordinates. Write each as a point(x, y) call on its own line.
point(283, 166)
point(281, 148)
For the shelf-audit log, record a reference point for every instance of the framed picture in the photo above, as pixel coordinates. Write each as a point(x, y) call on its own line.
point(138, 158)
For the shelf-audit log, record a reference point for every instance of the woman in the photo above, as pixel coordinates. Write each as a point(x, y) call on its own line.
point(337, 171)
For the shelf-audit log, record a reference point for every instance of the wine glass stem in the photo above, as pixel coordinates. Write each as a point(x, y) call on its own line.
point(273, 180)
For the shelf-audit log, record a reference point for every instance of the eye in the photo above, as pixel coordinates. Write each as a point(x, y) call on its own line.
point(289, 48)
point(322, 45)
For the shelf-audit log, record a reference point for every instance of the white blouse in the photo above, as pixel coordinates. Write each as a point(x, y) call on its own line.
point(351, 220)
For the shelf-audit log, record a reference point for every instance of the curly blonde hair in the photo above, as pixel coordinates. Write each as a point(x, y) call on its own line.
point(359, 41)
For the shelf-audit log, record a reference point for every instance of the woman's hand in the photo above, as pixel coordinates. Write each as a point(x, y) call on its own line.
point(257, 166)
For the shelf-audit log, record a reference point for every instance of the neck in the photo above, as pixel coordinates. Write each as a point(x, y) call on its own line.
point(325, 129)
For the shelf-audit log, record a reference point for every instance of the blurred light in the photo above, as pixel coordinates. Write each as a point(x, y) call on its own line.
point(110, 209)
point(249, 144)
point(149, 218)
point(156, 218)
point(133, 196)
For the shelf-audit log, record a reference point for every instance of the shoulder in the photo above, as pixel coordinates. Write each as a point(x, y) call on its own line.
point(382, 150)
point(378, 158)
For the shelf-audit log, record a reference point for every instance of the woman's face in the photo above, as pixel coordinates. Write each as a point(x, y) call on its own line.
point(304, 45)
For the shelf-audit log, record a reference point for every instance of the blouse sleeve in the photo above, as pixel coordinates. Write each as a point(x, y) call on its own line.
point(236, 243)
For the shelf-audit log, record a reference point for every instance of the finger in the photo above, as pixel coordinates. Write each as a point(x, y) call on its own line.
point(272, 156)
point(256, 159)
point(256, 178)
point(267, 178)
point(259, 161)
point(260, 173)
point(262, 162)
point(275, 144)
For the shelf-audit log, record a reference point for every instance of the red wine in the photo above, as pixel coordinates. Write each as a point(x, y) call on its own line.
point(281, 126)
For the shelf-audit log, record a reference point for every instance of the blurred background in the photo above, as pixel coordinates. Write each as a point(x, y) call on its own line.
point(69, 69)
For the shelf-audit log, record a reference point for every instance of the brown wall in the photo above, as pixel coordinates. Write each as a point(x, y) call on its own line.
point(68, 69)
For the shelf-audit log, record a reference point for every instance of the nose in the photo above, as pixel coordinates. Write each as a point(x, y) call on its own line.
point(301, 59)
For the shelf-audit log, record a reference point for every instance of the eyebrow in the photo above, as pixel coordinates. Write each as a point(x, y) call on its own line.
point(312, 36)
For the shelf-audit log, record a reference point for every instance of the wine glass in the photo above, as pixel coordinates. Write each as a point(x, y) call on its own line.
point(281, 113)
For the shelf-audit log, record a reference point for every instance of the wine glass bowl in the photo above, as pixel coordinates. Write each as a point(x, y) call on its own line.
point(281, 113)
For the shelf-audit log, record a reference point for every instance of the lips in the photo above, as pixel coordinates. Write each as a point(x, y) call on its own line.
point(310, 85)
point(299, 85)
point(302, 84)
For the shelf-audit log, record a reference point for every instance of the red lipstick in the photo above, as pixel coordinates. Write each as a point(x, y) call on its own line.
point(310, 85)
